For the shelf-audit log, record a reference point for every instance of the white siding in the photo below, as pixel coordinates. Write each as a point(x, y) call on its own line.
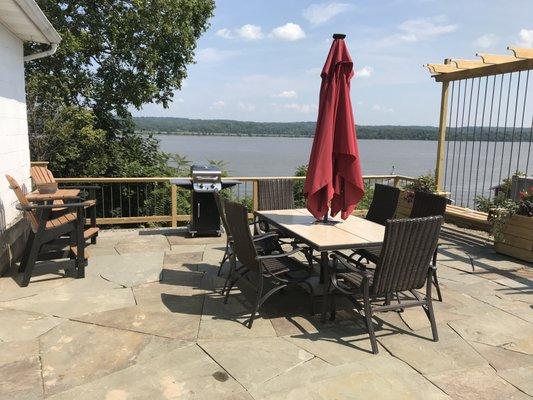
point(14, 146)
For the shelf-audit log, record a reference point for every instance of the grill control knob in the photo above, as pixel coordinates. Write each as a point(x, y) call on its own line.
point(201, 185)
point(212, 186)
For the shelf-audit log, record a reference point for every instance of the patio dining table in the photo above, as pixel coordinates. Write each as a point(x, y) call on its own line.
point(352, 233)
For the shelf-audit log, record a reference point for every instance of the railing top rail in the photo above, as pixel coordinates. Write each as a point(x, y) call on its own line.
point(167, 179)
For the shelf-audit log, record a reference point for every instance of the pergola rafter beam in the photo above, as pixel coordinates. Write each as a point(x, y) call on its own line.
point(489, 64)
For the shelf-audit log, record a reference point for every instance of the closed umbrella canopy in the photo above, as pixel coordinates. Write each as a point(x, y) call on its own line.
point(334, 176)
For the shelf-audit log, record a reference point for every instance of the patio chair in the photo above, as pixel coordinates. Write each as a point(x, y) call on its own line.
point(48, 230)
point(43, 178)
point(273, 194)
point(403, 266)
point(265, 275)
point(382, 208)
point(424, 205)
point(265, 244)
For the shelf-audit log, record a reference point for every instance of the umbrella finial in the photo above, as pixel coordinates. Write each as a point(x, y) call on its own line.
point(339, 36)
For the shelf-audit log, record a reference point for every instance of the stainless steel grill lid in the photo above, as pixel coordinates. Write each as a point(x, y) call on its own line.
point(206, 178)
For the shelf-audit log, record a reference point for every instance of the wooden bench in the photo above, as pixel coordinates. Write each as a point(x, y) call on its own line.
point(467, 217)
point(44, 181)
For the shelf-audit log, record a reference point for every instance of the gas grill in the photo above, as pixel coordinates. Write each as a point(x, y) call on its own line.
point(204, 181)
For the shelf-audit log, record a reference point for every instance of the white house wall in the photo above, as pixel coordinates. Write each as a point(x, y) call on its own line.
point(14, 146)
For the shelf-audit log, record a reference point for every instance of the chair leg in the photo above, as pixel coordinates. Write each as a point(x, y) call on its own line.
point(428, 308)
point(30, 263)
point(224, 259)
point(29, 245)
point(80, 245)
point(437, 286)
point(255, 310)
point(368, 320)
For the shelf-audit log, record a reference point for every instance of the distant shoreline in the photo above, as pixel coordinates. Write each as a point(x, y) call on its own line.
point(258, 136)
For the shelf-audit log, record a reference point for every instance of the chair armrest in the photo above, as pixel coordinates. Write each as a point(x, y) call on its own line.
point(289, 253)
point(30, 207)
point(353, 268)
point(258, 238)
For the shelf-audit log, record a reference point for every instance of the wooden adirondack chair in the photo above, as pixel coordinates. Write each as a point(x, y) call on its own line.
point(45, 182)
point(47, 229)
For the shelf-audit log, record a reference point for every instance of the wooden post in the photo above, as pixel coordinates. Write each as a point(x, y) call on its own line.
point(255, 199)
point(441, 147)
point(174, 204)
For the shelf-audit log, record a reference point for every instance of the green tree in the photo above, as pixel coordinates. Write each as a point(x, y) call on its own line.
point(114, 56)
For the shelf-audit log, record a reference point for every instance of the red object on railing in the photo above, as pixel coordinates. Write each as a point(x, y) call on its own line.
point(334, 177)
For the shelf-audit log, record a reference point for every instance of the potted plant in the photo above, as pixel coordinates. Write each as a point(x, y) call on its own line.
point(512, 226)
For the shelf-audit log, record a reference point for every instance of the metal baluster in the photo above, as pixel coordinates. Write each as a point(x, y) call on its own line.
point(522, 123)
point(514, 125)
point(489, 139)
point(496, 137)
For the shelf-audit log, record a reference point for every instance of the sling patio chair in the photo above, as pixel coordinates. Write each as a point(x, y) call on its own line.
point(44, 181)
point(48, 230)
point(265, 243)
point(265, 275)
point(424, 205)
point(404, 265)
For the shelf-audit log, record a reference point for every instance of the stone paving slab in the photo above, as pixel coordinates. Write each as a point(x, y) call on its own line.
point(75, 353)
point(21, 380)
point(69, 300)
point(255, 361)
point(186, 373)
point(476, 383)
point(146, 320)
point(18, 325)
point(128, 269)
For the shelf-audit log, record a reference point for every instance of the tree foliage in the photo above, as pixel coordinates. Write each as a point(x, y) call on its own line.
point(115, 55)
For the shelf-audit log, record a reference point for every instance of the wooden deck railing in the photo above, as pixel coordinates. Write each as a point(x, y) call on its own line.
point(146, 200)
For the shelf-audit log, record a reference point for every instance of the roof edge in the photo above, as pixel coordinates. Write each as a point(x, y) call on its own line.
point(36, 15)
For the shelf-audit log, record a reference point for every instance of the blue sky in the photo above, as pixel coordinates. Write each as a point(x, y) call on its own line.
point(261, 60)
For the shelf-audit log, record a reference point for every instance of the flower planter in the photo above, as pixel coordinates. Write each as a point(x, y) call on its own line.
point(516, 238)
point(403, 209)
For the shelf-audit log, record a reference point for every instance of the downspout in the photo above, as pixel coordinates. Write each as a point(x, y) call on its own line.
point(42, 54)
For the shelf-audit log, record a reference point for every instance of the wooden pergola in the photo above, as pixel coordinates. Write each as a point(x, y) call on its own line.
point(519, 59)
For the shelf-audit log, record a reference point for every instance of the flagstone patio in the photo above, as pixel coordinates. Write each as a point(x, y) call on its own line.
point(148, 322)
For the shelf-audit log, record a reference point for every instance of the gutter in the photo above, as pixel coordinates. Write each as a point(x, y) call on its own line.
point(42, 54)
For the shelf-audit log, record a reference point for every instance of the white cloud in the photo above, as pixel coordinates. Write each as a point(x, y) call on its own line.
point(301, 108)
point(179, 100)
point(364, 72)
point(289, 32)
point(321, 13)
point(246, 32)
point(377, 107)
point(526, 37)
point(210, 54)
point(486, 41)
point(219, 104)
point(225, 33)
point(416, 30)
point(286, 94)
point(250, 32)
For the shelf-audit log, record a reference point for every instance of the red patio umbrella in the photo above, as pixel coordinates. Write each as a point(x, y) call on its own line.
point(334, 177)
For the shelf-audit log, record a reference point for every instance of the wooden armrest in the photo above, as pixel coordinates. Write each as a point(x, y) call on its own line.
point(30, 207)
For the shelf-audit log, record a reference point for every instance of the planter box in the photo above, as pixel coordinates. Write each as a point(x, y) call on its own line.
point(517, 238)
point(403, 209)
